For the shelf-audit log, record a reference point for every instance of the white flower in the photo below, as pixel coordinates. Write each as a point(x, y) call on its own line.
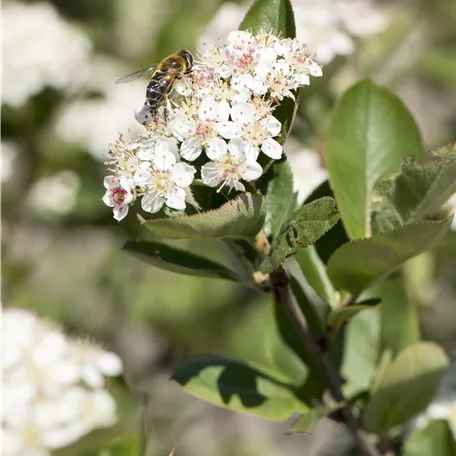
point(40, 49)
point(308, 173)
point(53, 386)
point(166, 181)
point(56, 194)
point(451, 205)
point(119, 195)
point(230, 164)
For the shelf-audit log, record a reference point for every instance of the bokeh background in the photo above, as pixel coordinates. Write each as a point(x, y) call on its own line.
point(61, 254)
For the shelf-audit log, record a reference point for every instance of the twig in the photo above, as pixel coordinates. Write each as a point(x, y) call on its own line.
point(284, 296)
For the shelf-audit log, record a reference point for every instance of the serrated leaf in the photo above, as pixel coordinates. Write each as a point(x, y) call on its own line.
point(235, 385)
point(242, 217)
point(358, 264)
point(436, 438)
point(406, 387)
point(417, 191)
point(338, 317)
point(280, 198)
point(274, 16)
point(176, 260)
point(314, 271)
point(303, 228)
point(370, 132)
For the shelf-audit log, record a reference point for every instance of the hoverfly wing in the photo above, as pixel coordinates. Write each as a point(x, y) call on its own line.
point(136, 75)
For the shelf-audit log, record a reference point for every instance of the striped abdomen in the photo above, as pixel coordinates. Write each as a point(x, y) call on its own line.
point(160, 86)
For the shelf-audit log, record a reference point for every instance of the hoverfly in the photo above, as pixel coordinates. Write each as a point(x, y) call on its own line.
point(161, 83)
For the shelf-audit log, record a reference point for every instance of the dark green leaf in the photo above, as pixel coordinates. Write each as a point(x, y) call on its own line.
point(406, 387)
point(274, 16)
point(338, 317)
point(314, 271)
point(176, 260)
point(417, 191)
point(370, 132)
point(358, 264)
point(237, 386)
point(242, 217)
point(435, 439)
point(303, 228)
point(398, 315)
point(280, 199)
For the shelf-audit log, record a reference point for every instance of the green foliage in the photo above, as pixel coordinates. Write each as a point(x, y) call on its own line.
point(405, 387)
point(280, 198)
point(177, 260)
point(308, 420)
point(242, 217)
point(338, 317)
point(314, 271)
point(358, 264)
point(237, 386)
point(417, 191)
point(304, 227)
point(370, 132)
point(436, 438)
point(270, 15)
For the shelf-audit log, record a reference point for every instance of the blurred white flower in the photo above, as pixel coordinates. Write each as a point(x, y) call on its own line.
point(92, 123)
point(327, 26)
point(53, 386)
point(40, 49)
point(10, 151)
point(451, 206)
point(308, 173)
point(56, 194)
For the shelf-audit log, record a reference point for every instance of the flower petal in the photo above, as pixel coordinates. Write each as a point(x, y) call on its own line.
point(182, 174)
point(216, 148)
point(272, 148)
point(152, 202)
point(191, 149)
point(243, 113)
point(236, 149)
point(163, 160)
point(250, 171)
point(212, 174)
point(176, 198)
point(120, 212)
point(228, 130)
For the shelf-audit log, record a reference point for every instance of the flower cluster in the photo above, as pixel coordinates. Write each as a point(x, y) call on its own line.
point(53, 387)
point(222, 116)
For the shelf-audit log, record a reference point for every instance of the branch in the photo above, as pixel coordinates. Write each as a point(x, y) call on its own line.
point(284, 296)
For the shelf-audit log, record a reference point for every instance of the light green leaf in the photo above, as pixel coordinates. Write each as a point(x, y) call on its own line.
point(314, 271)
point(242, 217)
point(337, 317)
point(370, 132)
point(308, 420)
point(270, 15)
point(417, 191)
point(435, 439)
point(358, 264)
point(237, 386)
point(398, 316)
point(303, 228)
point(176, 260)
point(406, 387)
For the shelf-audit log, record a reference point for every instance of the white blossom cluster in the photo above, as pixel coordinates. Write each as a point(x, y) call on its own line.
point(224, 114)
point(53, 387)
point(40, 49)
point(328, 26)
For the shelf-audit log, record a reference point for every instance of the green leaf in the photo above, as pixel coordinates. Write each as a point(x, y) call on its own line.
point(398, 316)
point(436, 438)
point(417, 191)
point(176, 260)
point(274, 16)
point(406, 387)
point(303, 228)
point(308, 420)
point(338, 317)
point(242, 217)
point(370, 132)
point(358, 264)
point(314, 271)
point(237, 386)
point(280, 198)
